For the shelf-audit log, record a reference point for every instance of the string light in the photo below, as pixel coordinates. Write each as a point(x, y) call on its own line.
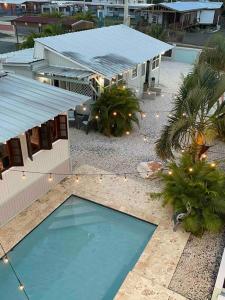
point(125, 177)
point(143, 115)
point(204, 156)
point(124, 86)
point(190, 170)
point(213, 164)
point(77, 179)
point(84, 108)
point(157, 115)
point(182, 150)
point(21, 287)
point(24, 175)
point(96, 117)
point(100, 178)
point(170, 172)
point(50, 178)
point(184, 114)
point(115, 113)
point(5, 259)
point(127, 132)
point(129, 114)
point(145, 138)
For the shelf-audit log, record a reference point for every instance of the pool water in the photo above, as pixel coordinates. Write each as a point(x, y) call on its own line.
point(186, 55)
point(81, 251)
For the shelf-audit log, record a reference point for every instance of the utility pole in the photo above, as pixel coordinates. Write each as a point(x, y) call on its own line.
point(126, 20)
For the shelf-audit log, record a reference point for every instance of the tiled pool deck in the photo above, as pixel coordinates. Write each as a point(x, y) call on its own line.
point(152, 274)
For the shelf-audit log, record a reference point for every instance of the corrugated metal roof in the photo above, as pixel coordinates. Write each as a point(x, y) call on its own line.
point(25, 103)
point(108, 50)
point(19, 57)
point(192, 5)
point(64, 72)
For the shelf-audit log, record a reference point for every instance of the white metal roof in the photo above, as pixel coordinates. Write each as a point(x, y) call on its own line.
point(64, 72)
point(26, 103)
point(19, 57)
point(108, 50)
point(192, 5)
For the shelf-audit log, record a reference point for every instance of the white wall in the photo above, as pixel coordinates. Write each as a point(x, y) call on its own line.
point(17, 193)
point(219, 292)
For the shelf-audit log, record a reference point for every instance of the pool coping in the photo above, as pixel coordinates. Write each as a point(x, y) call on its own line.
point(157, 262)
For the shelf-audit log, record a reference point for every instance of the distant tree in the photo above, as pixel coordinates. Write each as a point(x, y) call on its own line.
point(55, 14)
point(87, 16)
point(47, 31)
point(156, 31)
point(214, 52)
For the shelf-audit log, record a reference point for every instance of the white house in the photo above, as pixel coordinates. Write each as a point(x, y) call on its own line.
point(33, 138)
point(181, 15)
point(88, 61)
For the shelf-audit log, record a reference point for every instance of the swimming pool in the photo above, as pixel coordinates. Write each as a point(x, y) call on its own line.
point(186, 55)
point(81, 251)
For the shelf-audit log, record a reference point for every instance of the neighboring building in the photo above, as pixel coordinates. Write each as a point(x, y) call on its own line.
point(33, 138)
point(181, 15)
point(19, 7)
point(36, 24)
point(88, 61)
point(110, 8)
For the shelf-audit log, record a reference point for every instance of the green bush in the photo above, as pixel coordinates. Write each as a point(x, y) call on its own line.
point(200, 186)
point(115, 112)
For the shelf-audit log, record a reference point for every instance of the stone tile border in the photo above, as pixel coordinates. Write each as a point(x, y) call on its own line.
point(152, 274)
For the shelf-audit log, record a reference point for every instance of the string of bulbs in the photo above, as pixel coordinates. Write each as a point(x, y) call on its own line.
point(6, 260)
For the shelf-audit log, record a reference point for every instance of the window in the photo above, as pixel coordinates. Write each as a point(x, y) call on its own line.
point(34, 141)
point(10, 154)
point(155, 62)
point(143, 70)
point(4, 157)
point(134, 72)
point(62, 131)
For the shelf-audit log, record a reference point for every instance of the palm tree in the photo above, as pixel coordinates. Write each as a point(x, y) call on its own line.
point(214, 53)
point(196, 112)
point(115, 111)
point(196, 188)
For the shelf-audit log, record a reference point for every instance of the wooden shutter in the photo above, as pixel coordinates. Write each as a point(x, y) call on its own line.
point(29, 147)
point(45, 136)
point(62, 130)
point(15, 152)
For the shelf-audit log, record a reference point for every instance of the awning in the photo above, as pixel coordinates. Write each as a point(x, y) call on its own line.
point(64, 72)
point(26, 103)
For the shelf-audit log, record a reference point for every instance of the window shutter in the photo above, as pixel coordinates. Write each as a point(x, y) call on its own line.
point(16, 156)
point(62, 127)
point(45, 135)
point(29, 147)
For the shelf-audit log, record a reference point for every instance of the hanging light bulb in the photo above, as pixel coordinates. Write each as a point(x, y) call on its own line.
point(77, 179)
point(143, 115)
point(115, 113)
point(157, 115)
point(21, 287)
point(149, 93)
point(125, 177)
point(50, 178)
point(84, 108)
point(5, 259)
point(100, 178)
point(204, 156)
point(127, 132)
point(96, 117)
point(24, 175)
point(145, 138)
point(130, 114)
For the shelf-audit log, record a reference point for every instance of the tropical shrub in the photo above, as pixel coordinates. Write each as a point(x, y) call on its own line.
point(200, 187)
point(193, 121)
point(115, 112)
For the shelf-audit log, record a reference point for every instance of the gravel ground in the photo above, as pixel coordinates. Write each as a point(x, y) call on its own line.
point(196, 273)
point(197, 270)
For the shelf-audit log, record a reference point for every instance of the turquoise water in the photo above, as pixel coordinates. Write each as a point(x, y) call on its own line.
point(82, 251)
point(186, 55)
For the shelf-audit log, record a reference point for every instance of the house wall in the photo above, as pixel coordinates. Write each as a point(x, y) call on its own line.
point(17, 193)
